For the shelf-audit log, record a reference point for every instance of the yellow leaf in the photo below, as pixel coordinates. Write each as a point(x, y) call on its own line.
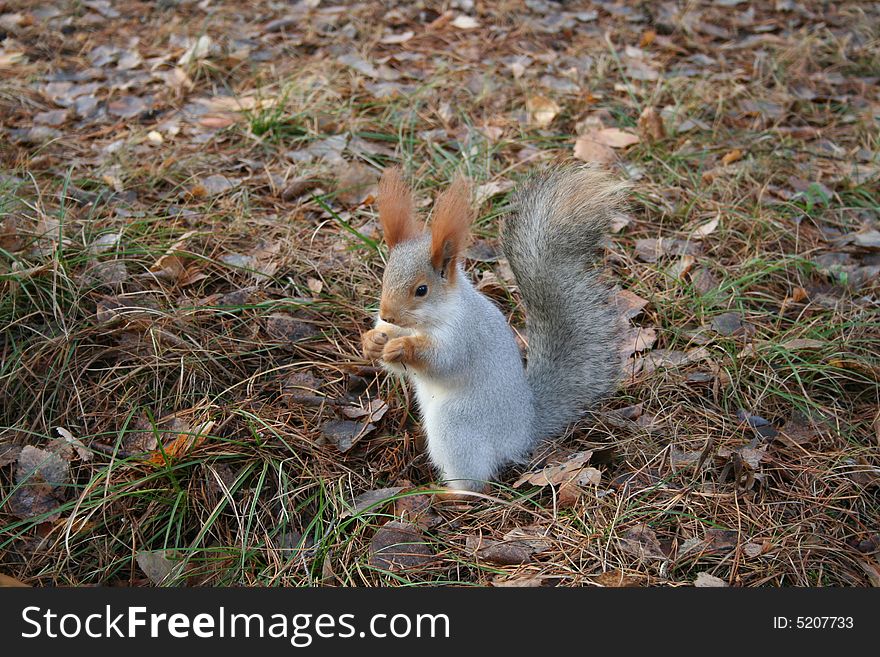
point(731, 156)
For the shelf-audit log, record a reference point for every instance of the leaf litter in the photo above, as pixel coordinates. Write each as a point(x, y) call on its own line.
point(748, 257)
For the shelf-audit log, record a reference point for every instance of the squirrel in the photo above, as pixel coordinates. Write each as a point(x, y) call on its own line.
point(481, 408)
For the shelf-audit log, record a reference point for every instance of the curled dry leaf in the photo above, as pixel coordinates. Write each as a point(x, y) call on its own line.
point(373, 411)
point(667, 358)
point(73, 443)
point(569, 495)
point(651, 125)
point(484, 192)
point(619, 222)
point(200, 49)
point(518, 546)
point(679, 458)
point(184, 443)
point(499, 552)
point(170, 265)
point(753, 550)
point(681, 267)
point(573, 470)
point(715, 541)
point(706, 229)
point(298, 187)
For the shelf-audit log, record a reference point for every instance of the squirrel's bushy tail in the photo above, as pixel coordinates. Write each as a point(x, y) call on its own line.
point(551, 240)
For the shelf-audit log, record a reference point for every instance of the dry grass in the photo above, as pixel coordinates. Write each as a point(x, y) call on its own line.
point(160, 331)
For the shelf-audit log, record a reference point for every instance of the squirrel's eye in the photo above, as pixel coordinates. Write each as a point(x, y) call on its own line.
point(421, 290)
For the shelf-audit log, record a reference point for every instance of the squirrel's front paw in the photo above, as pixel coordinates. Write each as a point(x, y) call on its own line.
point(374, 342)
point(408, 350)
point(397, 350)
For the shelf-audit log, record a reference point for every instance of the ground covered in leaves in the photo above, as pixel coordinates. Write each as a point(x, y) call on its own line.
point(189, 253)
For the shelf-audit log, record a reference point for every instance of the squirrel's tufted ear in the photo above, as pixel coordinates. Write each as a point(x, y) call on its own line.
point(450, 226)
point(396, 208)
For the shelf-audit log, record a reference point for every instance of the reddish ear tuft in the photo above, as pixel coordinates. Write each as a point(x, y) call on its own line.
point(396, 208)
point(450, 226)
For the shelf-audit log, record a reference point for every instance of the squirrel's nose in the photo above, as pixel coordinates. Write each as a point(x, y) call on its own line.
point(385, 313)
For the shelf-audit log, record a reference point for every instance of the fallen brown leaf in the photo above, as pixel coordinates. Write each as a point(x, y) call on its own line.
point(519, 581)
point(155, 564)
point(637, 339)
point(371, 500)
point(10, 582)
point(356, 182)
point(630, 304)
point(617, 579)
point(589, 149)
point(41, 484)
point(651, 126)
point(399, 546)
point(573, 469)
point(651, 249)
point(641, 542)
point(705, 580)
point(9, 454)
point(616, 138)
point(345, 434)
